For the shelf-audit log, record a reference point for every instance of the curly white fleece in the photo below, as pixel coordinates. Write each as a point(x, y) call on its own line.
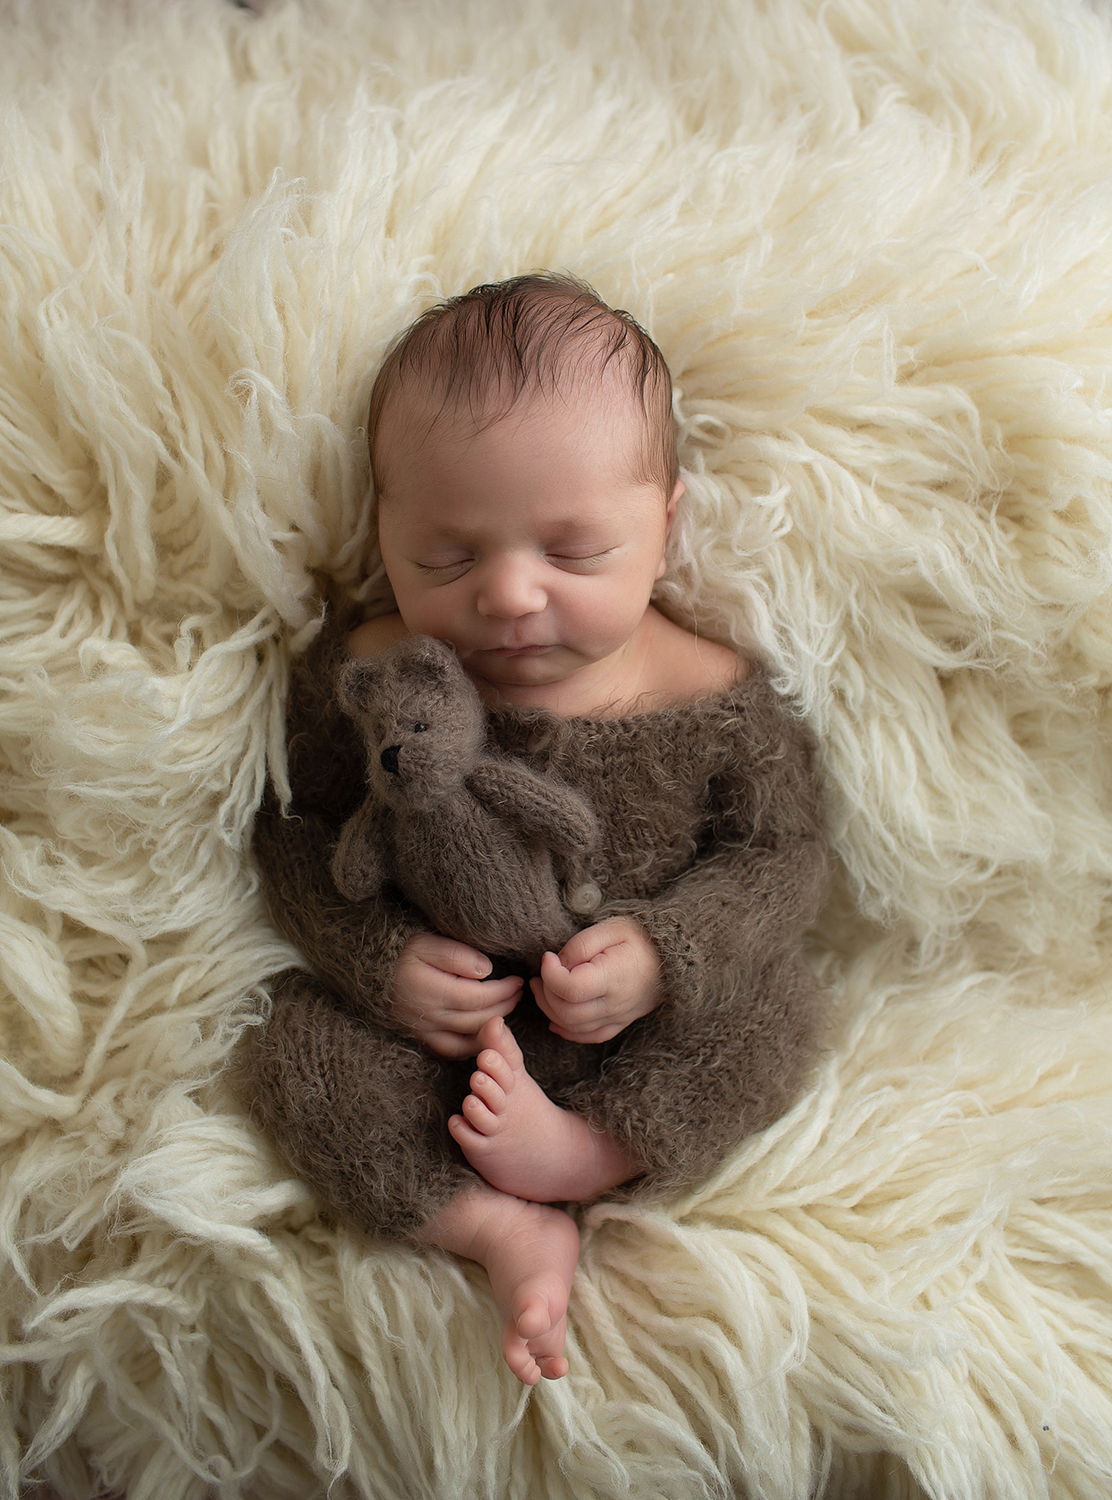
point(871, 237)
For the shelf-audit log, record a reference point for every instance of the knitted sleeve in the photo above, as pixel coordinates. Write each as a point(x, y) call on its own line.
point(762, 871)
point(353, 946)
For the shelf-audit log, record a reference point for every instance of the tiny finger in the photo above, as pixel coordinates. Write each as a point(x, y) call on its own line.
point(468, 995)
point(450, 956)
point(587, 983)
point(584, 982)
point(586, 944)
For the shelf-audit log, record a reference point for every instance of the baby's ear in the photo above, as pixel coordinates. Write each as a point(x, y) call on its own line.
point(358, 682)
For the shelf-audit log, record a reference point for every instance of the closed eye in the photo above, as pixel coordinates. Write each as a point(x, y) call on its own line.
point(576, 564)
point(446, 570)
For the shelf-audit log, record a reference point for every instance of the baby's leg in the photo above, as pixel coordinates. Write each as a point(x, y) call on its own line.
point(360, 1113)
point(522, 1143)
point(688, 1088)
point(530, 1252)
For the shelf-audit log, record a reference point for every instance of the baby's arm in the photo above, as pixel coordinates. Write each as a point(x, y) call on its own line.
point(354, 947)
point(740, 1017)
point(757, 886)
point(374, 952)
point(701, 941)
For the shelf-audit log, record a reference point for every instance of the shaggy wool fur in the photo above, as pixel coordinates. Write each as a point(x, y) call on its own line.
point(871, 238)
point(710, 841)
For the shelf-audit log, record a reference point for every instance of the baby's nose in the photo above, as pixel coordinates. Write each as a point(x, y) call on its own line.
point(509, 588)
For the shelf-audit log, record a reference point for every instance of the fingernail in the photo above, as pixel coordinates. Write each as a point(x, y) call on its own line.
point(483, 968)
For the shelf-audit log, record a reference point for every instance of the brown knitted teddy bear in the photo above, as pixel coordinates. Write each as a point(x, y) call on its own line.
point(467, 835)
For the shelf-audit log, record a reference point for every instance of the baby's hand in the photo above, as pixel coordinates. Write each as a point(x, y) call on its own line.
point(603, 978)
point(440, 997)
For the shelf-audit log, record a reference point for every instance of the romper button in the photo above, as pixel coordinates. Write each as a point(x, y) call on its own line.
point(584, 898)
point(539, 740)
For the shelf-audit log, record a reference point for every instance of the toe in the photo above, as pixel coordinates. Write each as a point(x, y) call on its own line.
point(490, 1033)
point(495, 1066)
point(516, 1354)
point(490, 1090)
point(478, 1116)
point(534, 1319)
point(496, 1035)
point(472, 1142)
point(507, 1046)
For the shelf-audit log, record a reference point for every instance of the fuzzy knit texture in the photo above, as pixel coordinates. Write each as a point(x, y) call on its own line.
point(872, 239)
point(710, 840)
point(477, 842)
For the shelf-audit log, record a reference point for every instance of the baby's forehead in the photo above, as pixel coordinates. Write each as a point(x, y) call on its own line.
point(430, 403)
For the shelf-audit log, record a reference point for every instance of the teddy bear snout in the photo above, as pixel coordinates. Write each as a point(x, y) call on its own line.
point(389, 759)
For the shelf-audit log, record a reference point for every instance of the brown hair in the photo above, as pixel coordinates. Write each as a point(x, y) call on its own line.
point(486, 347)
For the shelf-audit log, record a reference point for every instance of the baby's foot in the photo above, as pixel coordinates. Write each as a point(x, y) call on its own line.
point(530, 1252)
point(520, 1142)
point(531, 1265)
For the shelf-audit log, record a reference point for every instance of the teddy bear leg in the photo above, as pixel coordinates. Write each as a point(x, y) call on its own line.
point(360, 1113)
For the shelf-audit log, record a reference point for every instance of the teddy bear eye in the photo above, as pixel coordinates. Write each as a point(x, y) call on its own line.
point(419, 728)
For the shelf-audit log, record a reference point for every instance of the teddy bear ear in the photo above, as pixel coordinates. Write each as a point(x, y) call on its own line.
point(433, 659)
point(357, 682)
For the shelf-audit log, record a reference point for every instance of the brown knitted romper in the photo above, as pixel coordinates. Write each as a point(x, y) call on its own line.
point(711, 840)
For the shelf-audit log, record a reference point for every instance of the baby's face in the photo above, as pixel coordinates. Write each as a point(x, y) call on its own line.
point(532, 546)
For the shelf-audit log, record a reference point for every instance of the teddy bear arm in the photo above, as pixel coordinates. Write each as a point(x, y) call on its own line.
point(541, 806)
point(357, 867)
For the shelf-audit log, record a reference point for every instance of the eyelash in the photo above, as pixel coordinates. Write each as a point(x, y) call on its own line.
point(595, 557)
point(461, 567)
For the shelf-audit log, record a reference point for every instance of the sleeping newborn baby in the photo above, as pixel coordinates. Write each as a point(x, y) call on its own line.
point(524, 462)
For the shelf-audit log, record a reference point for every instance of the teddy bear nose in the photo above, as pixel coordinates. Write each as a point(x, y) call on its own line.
point(389, 759)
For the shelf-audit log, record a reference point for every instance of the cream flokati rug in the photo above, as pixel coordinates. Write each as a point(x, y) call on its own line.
point(874, 239)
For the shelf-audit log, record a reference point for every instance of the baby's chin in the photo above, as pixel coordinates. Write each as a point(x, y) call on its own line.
point(580, 690)
point(520, 678)
point(520, 668)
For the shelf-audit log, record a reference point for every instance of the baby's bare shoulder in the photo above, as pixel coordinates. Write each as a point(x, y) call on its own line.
point(720, 667)
point(375, 636)
point(694, 667)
